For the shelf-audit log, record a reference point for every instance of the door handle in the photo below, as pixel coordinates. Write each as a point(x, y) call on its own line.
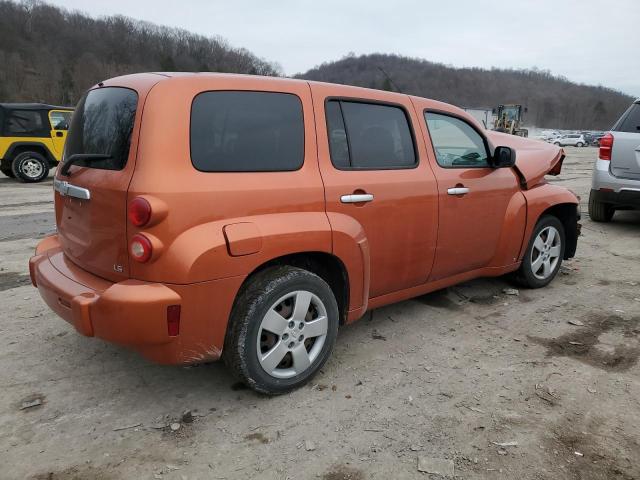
point(458, 191)
point(357, 198)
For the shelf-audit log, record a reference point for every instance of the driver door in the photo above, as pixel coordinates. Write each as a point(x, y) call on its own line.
point(473, 196)
point(59, 121)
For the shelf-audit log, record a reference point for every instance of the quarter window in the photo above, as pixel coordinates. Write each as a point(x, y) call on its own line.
point(247, 132)
point(456, 143)
point(369, 136)
point(630, 121)
point(24, 122)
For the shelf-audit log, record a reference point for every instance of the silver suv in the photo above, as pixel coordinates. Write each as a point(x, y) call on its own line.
point(616, 175)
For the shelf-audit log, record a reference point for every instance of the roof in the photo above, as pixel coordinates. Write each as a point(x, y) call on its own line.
point(32, 106)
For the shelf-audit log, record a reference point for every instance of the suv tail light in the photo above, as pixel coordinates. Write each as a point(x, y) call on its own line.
point(606, 145)
point(139, 212)
point(140, 248)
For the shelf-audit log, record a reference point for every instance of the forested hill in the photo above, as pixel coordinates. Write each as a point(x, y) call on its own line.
point(552, 102)
point(52, 55)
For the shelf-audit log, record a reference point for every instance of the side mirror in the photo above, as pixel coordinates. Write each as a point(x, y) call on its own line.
point(503, 157)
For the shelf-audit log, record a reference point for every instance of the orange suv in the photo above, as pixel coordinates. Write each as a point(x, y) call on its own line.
point(203, 216)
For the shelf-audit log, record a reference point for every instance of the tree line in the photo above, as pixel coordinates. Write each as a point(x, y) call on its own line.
point(552, 101)
point(49, 54)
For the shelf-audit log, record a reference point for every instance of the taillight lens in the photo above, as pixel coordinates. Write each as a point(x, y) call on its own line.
point(606, 145)
point(139, 212)
point(140, 248)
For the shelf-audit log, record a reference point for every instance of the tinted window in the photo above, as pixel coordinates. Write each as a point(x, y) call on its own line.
point(102, 124)
point(455, 142)
point(375, 136)
point(630, 121)
point(25, 122)
point(247, 132)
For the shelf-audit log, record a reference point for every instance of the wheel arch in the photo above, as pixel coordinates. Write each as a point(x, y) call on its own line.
point(17, 148)
point(326, 265)
point(547, 199)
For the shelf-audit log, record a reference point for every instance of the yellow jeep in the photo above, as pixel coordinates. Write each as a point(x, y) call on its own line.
point(32, 137)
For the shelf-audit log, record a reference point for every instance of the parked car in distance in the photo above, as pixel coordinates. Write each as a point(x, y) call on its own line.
point(32, 137)
point(616, 173)
point(572, 139)
point(269, 211)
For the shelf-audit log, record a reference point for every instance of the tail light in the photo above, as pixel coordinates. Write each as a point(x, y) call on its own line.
point(606, 145)
point(139, 212)
point(173, 320)
point(140, 248)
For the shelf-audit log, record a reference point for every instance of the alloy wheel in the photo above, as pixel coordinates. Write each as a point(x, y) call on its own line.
point(545, 253)
point(292, 334)
point(31, 167)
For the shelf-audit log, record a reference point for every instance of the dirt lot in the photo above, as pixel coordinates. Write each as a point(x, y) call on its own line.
point(448, 376)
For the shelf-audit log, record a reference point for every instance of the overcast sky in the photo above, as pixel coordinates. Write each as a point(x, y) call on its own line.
point(588, 41)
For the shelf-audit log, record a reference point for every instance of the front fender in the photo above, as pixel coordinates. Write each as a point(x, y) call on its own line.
point(540, 199)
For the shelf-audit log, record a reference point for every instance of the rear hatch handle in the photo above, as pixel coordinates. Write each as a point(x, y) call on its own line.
point(67, 190)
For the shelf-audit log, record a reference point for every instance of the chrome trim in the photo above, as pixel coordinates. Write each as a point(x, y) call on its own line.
point(357, 198)
point(458, 191)
point(67, 190)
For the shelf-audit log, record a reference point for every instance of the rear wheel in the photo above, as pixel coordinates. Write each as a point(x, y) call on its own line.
point(30, 167)
point(599, 211)
point(580, 144)
point(282, 329)
point(544, 253)
point(557, 143)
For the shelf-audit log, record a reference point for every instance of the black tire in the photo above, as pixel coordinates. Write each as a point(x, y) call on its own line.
point(254, 301)
point(598, 211)
point(30, 167)
point(580, 144)
point(557, 143)
point(525, 275)
point(8, 172)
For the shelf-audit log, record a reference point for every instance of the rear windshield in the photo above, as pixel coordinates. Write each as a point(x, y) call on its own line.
point(247, 132)
point(630, 121)
point(102, 124)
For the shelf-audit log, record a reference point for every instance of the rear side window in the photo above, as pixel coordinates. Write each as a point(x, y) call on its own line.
point(102, 124)
point(247, 132)
point(25, 123)
point(630, 121)
point(456, 143)
point(369, 136)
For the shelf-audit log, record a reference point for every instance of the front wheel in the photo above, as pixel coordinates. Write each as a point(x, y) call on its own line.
point(282, 329)
point(557, 143)
point(580, 144)
point(544, 254)
point(30, 167)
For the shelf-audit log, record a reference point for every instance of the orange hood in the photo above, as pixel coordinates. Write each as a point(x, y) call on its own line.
point(534, 158)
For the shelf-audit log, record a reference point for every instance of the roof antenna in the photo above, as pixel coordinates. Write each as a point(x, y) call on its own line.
point(393, 84)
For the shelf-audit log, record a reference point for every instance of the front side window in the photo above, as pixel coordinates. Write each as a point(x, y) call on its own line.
point(369, 136)
point(247, 132)
point(60, 120)
point(25, 123)
point(102, 124)
point(456, 143)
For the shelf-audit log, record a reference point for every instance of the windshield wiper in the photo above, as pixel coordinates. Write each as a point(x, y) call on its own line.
point(87, 157)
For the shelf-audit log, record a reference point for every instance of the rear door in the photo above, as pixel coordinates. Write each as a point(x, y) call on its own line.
point(625, 156)
point(375, 175)
point(91, 202)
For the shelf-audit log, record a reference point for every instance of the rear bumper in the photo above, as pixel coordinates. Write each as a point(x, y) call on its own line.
point(604, 179)
point(134, 313)
point(622, 198)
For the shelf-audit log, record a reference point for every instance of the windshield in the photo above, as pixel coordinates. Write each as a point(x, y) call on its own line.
point(102, 124)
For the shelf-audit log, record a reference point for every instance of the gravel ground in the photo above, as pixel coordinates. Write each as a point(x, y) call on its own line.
point(437, 382)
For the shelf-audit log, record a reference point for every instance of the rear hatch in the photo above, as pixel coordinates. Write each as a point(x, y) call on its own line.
point(625, 155)
point(91, 200)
